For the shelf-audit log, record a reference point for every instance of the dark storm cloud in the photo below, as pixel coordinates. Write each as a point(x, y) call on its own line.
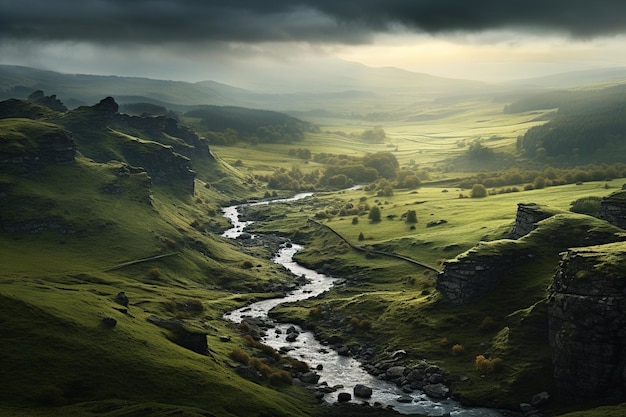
point(340, 21)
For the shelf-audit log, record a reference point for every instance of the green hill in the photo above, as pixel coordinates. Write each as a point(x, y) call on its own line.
point(77, 230)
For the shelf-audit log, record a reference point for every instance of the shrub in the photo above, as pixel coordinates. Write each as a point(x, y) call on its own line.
point(487, 324)
point(411, 216)
point(239, 355)
point(488, 366)
point(263, 368)
point(458, 350)
point(478, 191)
point(355, 220)
point(315, 311)
point(444, 342)
point(246, 265)
point(299, 365)
point(361, 237)
point(374, 214)
point(154, 273)
point(586, 205)
point(280, 378)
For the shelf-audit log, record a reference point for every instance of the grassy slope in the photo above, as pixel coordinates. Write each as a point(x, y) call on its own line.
point(400, 300)
point(55, 289)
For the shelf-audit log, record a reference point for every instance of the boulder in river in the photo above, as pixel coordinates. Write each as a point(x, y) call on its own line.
point(362, 391)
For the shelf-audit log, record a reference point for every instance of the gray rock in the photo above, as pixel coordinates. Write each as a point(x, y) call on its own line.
point(362, 391)
point(405, 399)
point(121, 299)
point(395, 372)
point(309, 378)
point(540, 399)
point(344, 397)
point(436, 390)
point(109, 321)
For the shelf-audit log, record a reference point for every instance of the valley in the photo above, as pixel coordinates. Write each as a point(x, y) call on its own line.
point(100, 200)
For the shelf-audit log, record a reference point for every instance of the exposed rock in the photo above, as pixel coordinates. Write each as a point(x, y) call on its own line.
point(362, 391)
point(249, 373)
point(436, 390)
point(51, 102)
point(527, 217)
point(121, 298)
point(613, 209)
point(540, 399)
point(183, 334)
point(309, 378)
point(395, 372)
point(109, 321)
point(33, 148)
point(406, 399)
point(470, 276)
point(587, 322)
point(344, 397)
point(107, 105)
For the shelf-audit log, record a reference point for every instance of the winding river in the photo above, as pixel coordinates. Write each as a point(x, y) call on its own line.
point(336, 370)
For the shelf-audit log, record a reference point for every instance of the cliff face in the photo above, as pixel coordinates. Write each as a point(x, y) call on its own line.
point(587, 322)
point(613, 209)
point(31, 145)
point(478, 272)
point(527, 217)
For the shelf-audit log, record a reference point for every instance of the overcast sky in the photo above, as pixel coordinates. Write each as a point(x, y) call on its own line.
point(195, 40)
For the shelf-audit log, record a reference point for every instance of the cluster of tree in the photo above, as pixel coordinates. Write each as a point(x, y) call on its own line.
point(375, 135)
point(590, 126)
point(380, 169)
point(300, 153)
point(228, 124)
point(549, 176)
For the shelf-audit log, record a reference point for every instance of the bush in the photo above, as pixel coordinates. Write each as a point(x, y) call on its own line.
point(355, 220)
point(239, 355)
point(154, 273)
point(246, 265)
point(374, 214)
point(478, 191)
point(488, 366)
point(458, 350)
point(411, 216)
point(280, 378)
point(586, 205)
point(487, 324)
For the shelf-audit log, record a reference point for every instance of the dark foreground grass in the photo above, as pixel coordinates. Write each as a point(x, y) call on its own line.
point(57, 284)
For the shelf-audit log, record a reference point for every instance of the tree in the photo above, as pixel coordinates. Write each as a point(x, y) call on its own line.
point(479, 191)
point(374, 214)
point(411, 216)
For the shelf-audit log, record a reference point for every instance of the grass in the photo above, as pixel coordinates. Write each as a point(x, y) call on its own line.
point(400, 301)
point(55, 291)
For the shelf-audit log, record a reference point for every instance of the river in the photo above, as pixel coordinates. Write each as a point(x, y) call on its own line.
point(336, 370)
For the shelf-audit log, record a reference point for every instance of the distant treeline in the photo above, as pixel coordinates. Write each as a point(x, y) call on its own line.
point(589, 127)
point(225, 125)
point(516, 179)
point(380, 169)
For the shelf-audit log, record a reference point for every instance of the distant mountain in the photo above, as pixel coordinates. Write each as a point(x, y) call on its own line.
point(329, 86)
point(575, 78)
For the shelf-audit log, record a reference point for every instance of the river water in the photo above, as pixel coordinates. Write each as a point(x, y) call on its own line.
point(336, 370)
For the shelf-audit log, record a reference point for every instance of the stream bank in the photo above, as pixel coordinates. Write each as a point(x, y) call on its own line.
point(338, 376)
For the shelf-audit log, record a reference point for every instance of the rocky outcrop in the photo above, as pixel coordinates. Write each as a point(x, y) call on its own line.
point(183, 334)
point(36, 144)
point(587, 322)
point(477, 272)
point(613, 209)
point(166, 130)
point(527, 217)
